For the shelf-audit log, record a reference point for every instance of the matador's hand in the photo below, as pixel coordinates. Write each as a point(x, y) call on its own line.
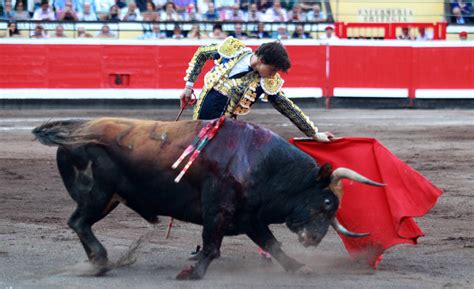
point(186, 96)
point(324, 136)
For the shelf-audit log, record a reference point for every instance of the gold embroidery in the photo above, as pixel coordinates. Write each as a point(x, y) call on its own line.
point(272, 86)
point(231, 47)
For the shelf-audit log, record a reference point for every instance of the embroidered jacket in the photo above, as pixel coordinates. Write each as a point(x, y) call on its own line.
point(244, 91)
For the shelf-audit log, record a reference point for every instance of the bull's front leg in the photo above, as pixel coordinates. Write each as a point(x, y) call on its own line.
point(263, 237)
point(212, 235)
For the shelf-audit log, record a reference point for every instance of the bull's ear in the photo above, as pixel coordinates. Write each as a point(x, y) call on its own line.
point(324, 172)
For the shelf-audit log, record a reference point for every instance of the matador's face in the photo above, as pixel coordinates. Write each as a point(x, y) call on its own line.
point(264, 70)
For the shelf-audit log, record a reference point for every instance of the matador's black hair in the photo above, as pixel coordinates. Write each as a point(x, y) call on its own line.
point(273, 53)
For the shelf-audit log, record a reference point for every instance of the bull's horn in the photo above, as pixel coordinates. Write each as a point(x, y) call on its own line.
point(344, 173)
point(340, 229)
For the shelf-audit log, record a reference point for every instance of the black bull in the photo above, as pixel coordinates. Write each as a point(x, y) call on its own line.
point(246, 179)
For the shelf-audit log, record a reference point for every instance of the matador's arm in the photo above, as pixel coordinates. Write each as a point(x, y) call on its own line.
point(200, 57)
point(286, 107)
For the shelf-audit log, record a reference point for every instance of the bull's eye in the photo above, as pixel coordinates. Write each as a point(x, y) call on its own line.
point(327, 204)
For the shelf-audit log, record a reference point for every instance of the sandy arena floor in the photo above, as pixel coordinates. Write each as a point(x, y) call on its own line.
point(36, 245)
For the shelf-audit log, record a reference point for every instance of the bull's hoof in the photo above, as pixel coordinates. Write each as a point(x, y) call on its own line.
point(188, 274)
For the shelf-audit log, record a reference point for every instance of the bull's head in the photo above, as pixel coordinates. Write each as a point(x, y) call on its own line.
point(311, 220)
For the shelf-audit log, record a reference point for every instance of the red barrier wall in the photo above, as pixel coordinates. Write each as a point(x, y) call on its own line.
point(163, 66)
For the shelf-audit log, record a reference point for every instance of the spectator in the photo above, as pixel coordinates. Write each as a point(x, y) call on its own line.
point(296, 14)
point(20, 12)
point(422, 35)
point(223, 6)
point(281, 33)
point(217, 32)
point(87, 14)
point(150, 13)
point(238, 33)
point(260, 33)
point(276, 13)
point(13, 31)
point(177, 32)
point(67, 13)
point(263, 5)
point(211, 14)
point(192, 14)
point(461, 12)
point(45, 12)
point(156, 33)
point(253, 15)
point(459, 18)
point(234, 14)
point(195, 32)
point(300, 33)
point(114, 14)
point(159, 4)
point(181, 6)
point(405, 34)
point(316, 15)
point(8, 12)
point(170, 14)
point(82, 33)
point(39, 32)
point(132, 13)
point(59, 32)
point(105, 32)
point(102, 7)
point(59, 5)
point(329, 35)
point(463, 35)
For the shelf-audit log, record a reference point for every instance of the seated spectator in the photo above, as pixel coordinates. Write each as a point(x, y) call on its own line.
point(264, 5)
point(20, 12)
point(169, 13)
point(329, 35)
point(281, 33)
point(253, 15)
point(461, 11)
point(12, 30)
point(225, 6)
point(150, 13)
point(39, 32)
point(45, 12)
point(296, 14)
point(82, 33)
point(156, 33)
point(67, 13)
point(300, 33)
point(459, 18)
point(177, 32)
point(195, 32)
point(132, 13)
point(102, 7)
point(191, 14)
point(59, 32)
point(276, 13)
point(105, 32)
point(238, 33)
point(59, 5)
point(422, 35)
point(181, 6)
point(87, 14)
point(260, 33)
point(463, 35)
point(234, 14)
point(316, 15)
point(211, 14)
point(405, 34)
point(114, 14)
point(8, 13)
point(217, 32)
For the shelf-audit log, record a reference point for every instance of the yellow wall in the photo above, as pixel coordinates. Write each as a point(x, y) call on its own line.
point(388, 10)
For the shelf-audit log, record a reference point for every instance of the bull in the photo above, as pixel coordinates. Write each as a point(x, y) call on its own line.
point(246, 179)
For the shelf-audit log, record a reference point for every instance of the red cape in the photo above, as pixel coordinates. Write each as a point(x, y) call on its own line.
point(384, 212)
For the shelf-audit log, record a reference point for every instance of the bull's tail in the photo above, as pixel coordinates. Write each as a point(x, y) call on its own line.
point(59, 133)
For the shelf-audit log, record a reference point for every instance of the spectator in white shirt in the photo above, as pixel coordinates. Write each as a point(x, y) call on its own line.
point(87, 14)
point(316, 15)
point(253, 15)
point(276, 13)
point(131, 13)
point(44, 12)
point(329, 35)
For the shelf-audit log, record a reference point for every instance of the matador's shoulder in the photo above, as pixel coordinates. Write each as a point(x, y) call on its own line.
point(232, 47)
point(272, 85)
